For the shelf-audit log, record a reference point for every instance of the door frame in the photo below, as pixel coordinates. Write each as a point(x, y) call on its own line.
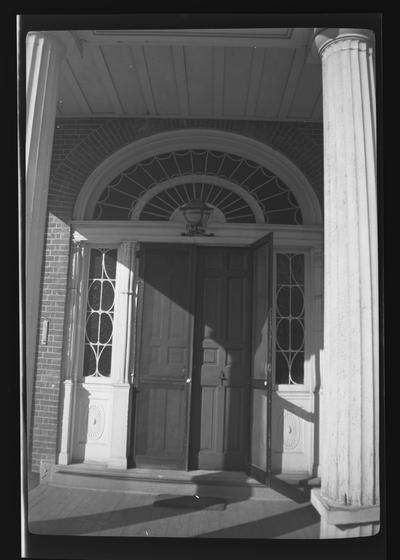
point(114, 233)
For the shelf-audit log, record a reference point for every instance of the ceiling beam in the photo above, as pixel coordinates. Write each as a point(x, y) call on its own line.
point(218, 80)
point(75, 88)
point(257, 65)
point(96, 55)
point(291, 84)
point(144, 78)
point(181, 78)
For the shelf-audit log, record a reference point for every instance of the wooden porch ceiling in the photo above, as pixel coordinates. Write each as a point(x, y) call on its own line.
point(257, 74)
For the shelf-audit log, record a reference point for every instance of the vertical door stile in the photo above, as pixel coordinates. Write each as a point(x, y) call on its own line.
point(261, 367)
point(191, 353)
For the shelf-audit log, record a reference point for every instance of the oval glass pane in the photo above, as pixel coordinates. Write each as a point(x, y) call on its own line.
point(110, 263)
point(89, 361)
point(283, 301)
point(92, 327)
point(297, 334)
point(282, 269)
point(297, 301)
point(282, 334)
point(106, 327)
point(94, 295)
point(281, 369)
point(297, 369)
point(107, 296)
point(105, 361)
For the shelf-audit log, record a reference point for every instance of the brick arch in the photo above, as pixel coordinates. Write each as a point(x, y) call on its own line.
point(82, 145)
point(189, 138)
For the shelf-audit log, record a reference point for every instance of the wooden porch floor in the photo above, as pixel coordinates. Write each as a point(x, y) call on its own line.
point(57, 510)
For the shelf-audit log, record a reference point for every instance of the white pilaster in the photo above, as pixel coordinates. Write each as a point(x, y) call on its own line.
point(43, 54)
point(121, 351)
point(350, 368)
point(73, 336)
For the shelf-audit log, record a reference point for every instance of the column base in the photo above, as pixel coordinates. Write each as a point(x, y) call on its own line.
point(341, 522)
point(118, 463)
point(64, 458)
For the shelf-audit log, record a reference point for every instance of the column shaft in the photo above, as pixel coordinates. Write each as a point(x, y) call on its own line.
point(349, 423)
point(43, 53)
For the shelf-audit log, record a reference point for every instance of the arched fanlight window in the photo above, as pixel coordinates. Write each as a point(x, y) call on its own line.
point(247, 192)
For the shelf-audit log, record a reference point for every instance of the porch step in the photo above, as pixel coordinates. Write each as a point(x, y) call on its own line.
point(233, 485)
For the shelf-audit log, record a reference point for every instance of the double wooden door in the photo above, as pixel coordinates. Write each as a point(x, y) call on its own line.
point(198, 400)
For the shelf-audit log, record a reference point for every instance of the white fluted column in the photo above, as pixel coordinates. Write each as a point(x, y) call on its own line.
point(43, 56)
point(121, 353)
point(74, 335)
point(348, 500)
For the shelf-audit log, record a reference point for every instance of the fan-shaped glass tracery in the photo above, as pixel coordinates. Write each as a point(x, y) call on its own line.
point(276, 202)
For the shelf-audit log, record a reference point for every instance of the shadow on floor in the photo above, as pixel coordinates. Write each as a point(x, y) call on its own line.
point(160, 509)
point(299, 492)
point(272, 527)
point(269, 527)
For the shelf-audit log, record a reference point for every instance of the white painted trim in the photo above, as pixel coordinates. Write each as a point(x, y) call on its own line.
point(114, 232)
point(209, 179)
point(282, 37)
point(163, 142)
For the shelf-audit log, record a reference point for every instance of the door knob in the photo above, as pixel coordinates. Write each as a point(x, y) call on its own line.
point(188, 380)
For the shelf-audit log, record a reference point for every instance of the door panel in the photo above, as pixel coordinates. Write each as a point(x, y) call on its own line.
point(261, 371)
point(164, 361)
point(220, 407)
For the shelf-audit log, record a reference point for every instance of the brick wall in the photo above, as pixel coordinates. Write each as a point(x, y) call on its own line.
point(80, 145)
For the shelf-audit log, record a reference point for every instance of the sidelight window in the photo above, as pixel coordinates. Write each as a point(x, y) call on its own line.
point(289, 317)
point(100, 313)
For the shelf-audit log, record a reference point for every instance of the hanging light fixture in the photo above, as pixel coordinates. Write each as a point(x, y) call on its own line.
point(196, 214)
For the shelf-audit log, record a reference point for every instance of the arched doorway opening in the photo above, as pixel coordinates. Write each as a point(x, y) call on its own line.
point(125, 371)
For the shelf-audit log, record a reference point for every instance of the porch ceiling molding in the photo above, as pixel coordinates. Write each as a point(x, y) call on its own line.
point(285, 37)
point(236, 144)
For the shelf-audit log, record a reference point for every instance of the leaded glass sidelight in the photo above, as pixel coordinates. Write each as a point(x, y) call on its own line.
point(289, 306)
point(100, 313)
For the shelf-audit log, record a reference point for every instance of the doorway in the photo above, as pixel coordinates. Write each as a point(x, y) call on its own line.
point(198, 346)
